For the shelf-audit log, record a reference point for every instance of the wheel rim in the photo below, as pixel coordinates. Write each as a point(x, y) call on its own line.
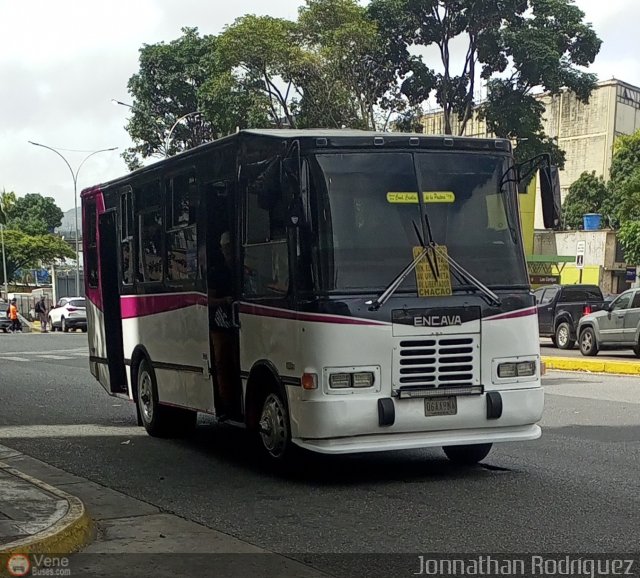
point(273, 426)
point(145, 396)
point(587, 341)
point(563, 335)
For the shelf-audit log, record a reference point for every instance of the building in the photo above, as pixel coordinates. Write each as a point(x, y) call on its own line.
point(585, 131)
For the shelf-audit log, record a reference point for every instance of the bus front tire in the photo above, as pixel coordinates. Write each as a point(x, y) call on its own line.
point(273, 433)
point(467, 455)
point(160, 420)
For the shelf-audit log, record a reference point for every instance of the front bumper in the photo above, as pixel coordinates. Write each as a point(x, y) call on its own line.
point(345, 425)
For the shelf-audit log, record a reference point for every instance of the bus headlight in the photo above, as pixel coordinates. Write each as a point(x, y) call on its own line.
point(339, 380)
point(506, 370)
point(363, 379)
point(520, 369)
point(526, 368)
point(345, 380)
point(351, 380)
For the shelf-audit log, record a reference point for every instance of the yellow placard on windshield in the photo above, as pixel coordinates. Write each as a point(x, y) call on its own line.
point(428, 196)
point(433, 283)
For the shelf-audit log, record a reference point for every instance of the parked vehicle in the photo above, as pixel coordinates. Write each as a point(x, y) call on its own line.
point(560, 308)
point(5, 322)
point(616, 326)
point(69, 313)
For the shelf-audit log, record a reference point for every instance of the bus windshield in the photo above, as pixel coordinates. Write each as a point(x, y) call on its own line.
point(367, 211)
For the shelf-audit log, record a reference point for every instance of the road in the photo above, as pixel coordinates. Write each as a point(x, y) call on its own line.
point(574, 490)
point(547, 348)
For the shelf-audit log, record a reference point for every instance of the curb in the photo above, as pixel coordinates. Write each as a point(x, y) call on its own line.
point(592, 365)
point(69, 534)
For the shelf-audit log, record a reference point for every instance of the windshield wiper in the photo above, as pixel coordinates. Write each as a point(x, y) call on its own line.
point(390, 290)
point(457, 268)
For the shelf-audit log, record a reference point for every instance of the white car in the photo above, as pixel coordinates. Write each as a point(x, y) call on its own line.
point(69, 313)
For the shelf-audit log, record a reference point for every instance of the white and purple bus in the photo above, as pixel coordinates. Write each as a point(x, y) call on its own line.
point(295, 283)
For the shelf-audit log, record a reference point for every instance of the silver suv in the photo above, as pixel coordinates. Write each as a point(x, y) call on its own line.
point(616, 326)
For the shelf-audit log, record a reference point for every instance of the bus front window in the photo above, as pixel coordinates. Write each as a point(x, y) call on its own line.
point(366, 212)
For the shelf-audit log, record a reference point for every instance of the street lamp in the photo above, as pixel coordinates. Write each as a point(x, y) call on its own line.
point(167, 140)
point(75, 195)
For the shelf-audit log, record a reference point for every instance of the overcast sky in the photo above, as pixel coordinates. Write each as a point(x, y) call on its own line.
point(61, 63)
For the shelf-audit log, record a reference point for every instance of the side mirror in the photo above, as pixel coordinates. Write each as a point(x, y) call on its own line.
point(266, 183)
point(551, 197)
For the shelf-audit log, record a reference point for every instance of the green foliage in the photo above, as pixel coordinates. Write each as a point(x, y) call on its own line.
point(179, 78)
point(23, 250)
point(265, 49)
point(589, 194)
point(345, 79)
point(629, 235)
point(34, 214)
point(515, 45)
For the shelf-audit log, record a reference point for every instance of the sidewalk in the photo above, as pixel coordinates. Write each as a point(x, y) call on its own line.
point(116, 535)
point(36, 517)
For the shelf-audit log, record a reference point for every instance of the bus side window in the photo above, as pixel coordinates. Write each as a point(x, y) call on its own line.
point(266, 260)
point(182, 245)
point(92, 243)
point(126, 236)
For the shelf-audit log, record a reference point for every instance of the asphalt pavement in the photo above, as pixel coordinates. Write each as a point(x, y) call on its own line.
point(574, 490)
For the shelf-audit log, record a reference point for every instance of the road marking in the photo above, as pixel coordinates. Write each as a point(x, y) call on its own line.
point(13, 358)
point(72, 351)
point(55, 356)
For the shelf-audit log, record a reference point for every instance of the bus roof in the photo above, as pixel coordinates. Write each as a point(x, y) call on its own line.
point(332, 139)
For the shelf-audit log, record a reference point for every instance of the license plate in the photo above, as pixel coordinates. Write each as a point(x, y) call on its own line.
point(441, 406)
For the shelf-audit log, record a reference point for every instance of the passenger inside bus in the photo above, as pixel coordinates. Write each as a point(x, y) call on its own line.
point(223, 342)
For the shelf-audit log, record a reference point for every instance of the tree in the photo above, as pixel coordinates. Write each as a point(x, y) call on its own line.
point(24, 251)
point(347, 80)
point(267, 52)
point(516, 46)
point(588, 194)
point(625, 194)
point(33, 214)
point(180, 78)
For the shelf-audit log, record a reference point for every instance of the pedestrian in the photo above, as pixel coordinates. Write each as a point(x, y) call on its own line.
point(41, 312)
point(13, 316)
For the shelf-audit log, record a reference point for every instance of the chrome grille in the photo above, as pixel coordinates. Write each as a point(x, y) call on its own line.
point(432, 362)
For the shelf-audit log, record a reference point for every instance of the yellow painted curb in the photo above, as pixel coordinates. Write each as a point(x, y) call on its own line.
point(592, 365)
point(69, 534)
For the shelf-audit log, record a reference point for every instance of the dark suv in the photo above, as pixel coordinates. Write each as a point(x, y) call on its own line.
point(560, 308)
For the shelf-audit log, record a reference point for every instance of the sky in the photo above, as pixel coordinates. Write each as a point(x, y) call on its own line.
point(62, 62)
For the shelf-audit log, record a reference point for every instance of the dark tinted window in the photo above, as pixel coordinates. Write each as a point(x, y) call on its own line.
point(92, 244)
point(126, 235)
point(77, 303)
point(182, 191)
point(578, 294)
point(182, 254)
point(151, 231)
point(622, 302)
point(549, 295)
point(636, 301)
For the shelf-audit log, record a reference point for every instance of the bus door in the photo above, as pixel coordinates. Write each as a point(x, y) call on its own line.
point(111, 302)
point(222, 289)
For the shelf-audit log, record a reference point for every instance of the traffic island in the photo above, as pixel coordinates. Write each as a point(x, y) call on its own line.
point(36, 518)
point(592, 365)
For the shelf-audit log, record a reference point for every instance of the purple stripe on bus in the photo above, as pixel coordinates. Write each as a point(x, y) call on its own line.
point(142, 305)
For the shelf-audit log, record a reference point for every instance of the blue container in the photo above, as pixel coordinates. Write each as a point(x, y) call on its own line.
point(592, 221)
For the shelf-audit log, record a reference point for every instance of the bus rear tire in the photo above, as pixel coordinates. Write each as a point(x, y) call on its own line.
point(467, 455)
point(160, 420)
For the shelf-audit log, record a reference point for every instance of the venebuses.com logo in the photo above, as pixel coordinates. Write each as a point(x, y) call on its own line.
point(18, 565)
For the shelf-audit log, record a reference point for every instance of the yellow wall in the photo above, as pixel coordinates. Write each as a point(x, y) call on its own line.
point(528, 215)
point(570, 275)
